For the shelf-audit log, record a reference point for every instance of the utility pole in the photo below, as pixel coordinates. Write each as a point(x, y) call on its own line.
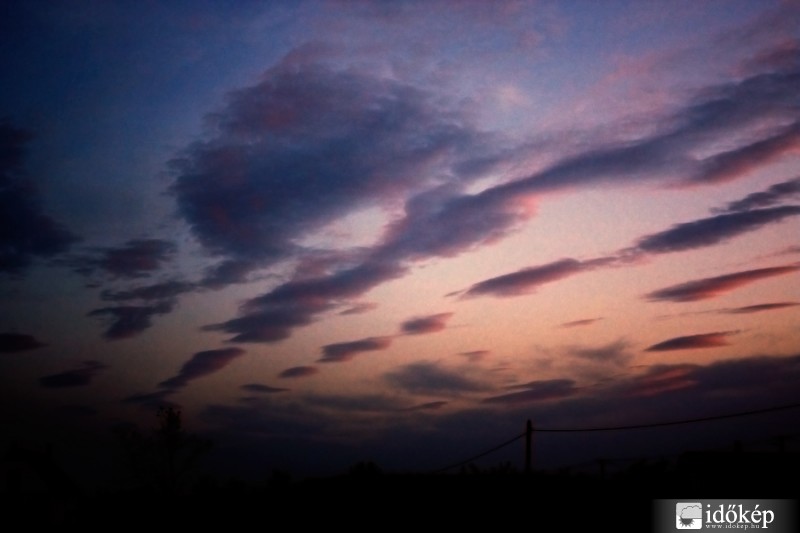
point(528, 439)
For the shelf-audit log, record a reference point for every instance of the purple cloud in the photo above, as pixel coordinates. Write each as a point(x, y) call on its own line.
point(537, 391)
point(306, 145)
point(771, 196)
point(425, 324)
point(713, 230)
point(732, 164)
point(705, 288)
point(158, 291)
point(615, 352)
point(429, 378)
point(428, 406)
point(131, 320)
point(78, 377)
point(152, 399)
point(692, 342)
point(359, 308)
point(18, 342)
point(580, 322)
point(299, 372)
point(202, 364)
point(264, 389)
point(758, 308)
point(344, 351)
point(529, 279)
point(474, 356)
point(137, 258)
point(26, 233)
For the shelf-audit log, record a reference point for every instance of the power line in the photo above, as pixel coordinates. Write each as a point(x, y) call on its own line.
point(671, 423)
point(617, 428)
point(487, 452)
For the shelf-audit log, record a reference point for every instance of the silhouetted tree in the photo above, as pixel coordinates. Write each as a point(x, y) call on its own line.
point(165, 460)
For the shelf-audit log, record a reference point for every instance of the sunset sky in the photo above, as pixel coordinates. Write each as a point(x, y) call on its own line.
point(346, 230)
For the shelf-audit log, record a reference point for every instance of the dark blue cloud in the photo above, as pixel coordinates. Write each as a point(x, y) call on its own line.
point(158, 291)
point(705, 288)
point(130, 320)
point(774, 194)
point(344, 351)
point(306, 145)
point(692, 342)
point(758, 308)
point(26, 232)
point(713, 230)
point(137, 258)
point(18, 342)
point(299, 372)
point(527, 280)
point(261, 388)
point(425, 324)
point(202, 364)
point(79, 377)
point(430, 378)
point(537, 391)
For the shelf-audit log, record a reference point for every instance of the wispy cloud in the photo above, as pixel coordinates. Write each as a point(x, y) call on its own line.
point(158, 291)
point(18, 342)
point(430, 378)
point(758, 308)
point(345, 351)
point(28, 233)
point(425, 324)
point(474, 356)
point(137, 258)
point(261, 388)
point(529, 279)
point(78, 377)
point(299, 372)
point(774, 194)
point(713, 230)
point(706, 288)
point(580, 322)
point(202, 364)
point(536, 391)
point(428, 406)
point(131, 320)
point(691, 342)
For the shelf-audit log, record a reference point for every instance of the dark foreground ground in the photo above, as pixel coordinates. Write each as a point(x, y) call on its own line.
point(367, 498)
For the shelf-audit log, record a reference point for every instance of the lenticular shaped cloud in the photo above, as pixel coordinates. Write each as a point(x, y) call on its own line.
point(307, 145)
point(78, 377)
point(758, 308)
point(26, 233)
point(344, 351)
point(429, 378)
point(157, 291)
point(265, 389)
point(131, 320)
point(528, 279)
point(18, 342)
point(580, 322)
point(691, 342)
point(705, 288)
point(731, 164)
point(135, 259)
point(202, 364)
point(774, 194)
point(425, 324)
point(713, 230)
point(298, 372)
point(537, 391)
